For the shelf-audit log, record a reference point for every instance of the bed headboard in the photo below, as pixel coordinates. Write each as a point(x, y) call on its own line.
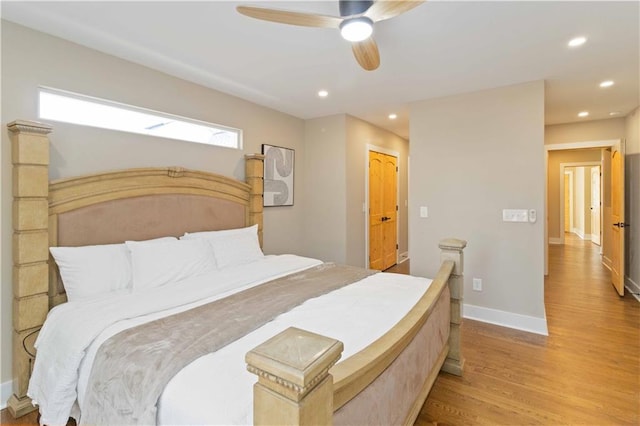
point(103, 208)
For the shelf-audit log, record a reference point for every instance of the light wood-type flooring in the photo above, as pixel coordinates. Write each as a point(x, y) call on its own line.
point(586, 372)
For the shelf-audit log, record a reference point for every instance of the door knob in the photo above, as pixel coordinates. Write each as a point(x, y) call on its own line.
point(621, 224)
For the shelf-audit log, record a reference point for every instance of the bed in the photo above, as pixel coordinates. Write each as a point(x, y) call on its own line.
point(383, 377)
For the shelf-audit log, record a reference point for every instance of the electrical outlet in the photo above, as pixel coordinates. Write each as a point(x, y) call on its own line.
point(477, 284)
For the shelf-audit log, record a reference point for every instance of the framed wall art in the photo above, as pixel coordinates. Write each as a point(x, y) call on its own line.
point(278, 175)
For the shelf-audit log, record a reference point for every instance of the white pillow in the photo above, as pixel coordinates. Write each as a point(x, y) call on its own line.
point(91, 270)
point(88, 271)
point(231, 247)
point(154, 265)
point(233, 250)
point(249, 230)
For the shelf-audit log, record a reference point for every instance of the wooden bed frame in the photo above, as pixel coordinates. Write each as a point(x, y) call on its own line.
point(299, 381)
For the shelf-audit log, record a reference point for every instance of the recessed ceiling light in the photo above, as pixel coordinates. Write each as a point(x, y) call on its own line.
point(393, 116)
point(583, 113)
point(607, 83)
point(614, 113)
point(323, 93)
point(578, 41)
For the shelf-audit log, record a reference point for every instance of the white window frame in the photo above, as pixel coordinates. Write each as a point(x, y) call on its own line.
point(163, 119)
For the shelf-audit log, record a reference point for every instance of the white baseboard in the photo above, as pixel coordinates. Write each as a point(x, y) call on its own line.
point(403, 257)
point(578, 232)
point(555, 240)
point(506, 319)
point(633, 287)
point(606, 262)
point(6, 390)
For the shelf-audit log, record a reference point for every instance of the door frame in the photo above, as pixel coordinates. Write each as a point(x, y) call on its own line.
point(365, 206)
point(556, 147)
point(562, 171)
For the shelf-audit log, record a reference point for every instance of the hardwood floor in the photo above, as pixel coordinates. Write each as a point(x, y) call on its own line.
point(585, 372)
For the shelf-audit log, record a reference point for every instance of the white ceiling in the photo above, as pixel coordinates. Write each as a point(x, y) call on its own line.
point(438, 49)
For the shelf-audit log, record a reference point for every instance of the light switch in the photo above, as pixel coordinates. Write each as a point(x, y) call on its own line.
point(515, 215)
point(424, 212)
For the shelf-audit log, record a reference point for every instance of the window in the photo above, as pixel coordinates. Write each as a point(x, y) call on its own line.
point(79, 109)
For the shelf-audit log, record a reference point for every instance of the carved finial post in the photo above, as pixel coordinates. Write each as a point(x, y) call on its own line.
point(452, 249)
point(254, 176)
point(294, 385)
point(30, 158)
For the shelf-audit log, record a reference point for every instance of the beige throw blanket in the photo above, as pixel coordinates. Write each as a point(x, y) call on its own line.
point(132, 368)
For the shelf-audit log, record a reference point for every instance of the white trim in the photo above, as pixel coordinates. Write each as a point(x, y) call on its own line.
point(579, 145)
point(506, 319)
point(606, 262)
point(403, 257)
point(395, 154)
point(632, 287)
point(555, 241)
point(578, 232)
point(6, 390)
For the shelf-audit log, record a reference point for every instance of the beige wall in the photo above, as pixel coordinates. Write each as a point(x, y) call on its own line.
point(632, 198)
point(335, 168)
point(556, 158)
point(30, 59)
point(324, 163)
point(473, 155)
point(359, 135)
point(596, 130)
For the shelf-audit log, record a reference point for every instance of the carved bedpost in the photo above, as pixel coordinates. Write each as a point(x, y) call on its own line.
point(254, 176)
point(30, 158)
point(452, 249)
point(294, 385)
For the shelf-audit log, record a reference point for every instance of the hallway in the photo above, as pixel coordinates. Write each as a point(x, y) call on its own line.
point(587, 371)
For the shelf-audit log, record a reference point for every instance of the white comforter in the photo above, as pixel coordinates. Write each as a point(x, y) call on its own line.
point(215, 389)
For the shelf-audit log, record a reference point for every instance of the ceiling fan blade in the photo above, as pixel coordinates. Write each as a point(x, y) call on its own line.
point(385, 9)
point(366, 53)
point(291, 18)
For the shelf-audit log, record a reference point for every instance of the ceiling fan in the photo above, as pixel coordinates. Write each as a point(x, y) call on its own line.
point(355, 22)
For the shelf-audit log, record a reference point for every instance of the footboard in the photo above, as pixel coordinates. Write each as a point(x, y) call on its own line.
point(299, 382)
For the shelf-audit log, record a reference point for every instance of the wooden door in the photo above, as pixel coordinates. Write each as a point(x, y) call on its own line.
point(595, 205)
point(617, 217)
point(383, 172)
point(567, 204)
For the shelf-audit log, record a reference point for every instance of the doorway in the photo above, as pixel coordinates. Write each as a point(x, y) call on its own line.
point(590, 208)
point(382, 217)
point(580, 203)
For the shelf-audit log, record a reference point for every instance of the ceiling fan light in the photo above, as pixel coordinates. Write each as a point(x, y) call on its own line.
point(356, 29)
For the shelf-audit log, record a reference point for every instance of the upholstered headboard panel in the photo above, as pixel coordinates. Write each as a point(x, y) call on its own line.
point(142, 218)
point(140, 204)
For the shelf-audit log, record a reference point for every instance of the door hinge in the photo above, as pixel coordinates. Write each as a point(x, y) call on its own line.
point(396, 168)
point(396, 247)
point(396, 207)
